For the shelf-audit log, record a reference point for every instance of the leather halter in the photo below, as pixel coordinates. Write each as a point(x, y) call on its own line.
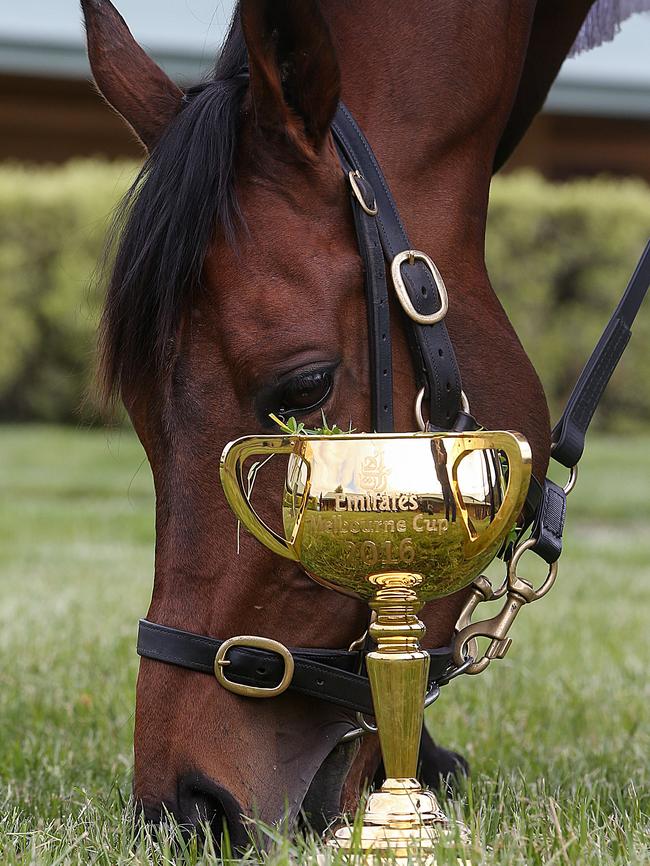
point(259, 667)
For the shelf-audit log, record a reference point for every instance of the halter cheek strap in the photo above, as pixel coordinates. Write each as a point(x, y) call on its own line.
point(364, 211)
point(415, 279)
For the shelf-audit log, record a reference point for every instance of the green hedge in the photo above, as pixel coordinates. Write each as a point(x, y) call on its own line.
point(558, 256)
point(52, 225)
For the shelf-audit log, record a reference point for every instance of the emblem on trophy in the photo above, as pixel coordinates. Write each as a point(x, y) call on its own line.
point(373, 474)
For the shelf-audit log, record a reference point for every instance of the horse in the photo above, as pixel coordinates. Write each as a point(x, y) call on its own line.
point(237, 291)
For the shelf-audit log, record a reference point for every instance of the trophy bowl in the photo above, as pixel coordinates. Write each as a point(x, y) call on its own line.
point(438, 505)
point(396, 520)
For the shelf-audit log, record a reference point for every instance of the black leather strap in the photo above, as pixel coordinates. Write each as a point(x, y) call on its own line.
point(435, 363)
point(545, 507)
point(569, 433)
point(377, 308)
point(545, 511)
point(330, 675)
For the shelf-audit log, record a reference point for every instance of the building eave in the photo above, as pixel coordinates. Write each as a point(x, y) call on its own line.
point(67, 60)
point(598, 98)
point(571, 95)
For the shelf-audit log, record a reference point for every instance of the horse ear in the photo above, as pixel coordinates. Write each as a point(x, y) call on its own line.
point(294, 71)
point(126, 76)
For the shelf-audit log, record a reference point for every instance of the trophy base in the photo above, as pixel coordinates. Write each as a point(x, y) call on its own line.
point(401, 823)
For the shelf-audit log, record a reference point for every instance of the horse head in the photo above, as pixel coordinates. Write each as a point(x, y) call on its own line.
point(237, 291)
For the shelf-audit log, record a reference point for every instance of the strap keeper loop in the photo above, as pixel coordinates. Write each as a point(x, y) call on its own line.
point(360, 186)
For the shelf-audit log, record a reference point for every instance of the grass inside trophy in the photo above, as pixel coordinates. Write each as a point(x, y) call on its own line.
point(396, 520)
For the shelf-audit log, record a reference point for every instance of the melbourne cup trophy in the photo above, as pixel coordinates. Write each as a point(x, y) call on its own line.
point(396, 520)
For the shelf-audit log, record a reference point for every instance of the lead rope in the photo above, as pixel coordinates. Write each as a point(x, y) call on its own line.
point(546, 515)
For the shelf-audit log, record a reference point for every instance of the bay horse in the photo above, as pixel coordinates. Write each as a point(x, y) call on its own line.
point(237, 291)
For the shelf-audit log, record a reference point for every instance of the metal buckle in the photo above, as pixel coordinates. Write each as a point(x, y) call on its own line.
point(353, 177)
point(254, 642)
point(396, 273)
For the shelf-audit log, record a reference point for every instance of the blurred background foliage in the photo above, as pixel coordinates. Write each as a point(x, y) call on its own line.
point(559, 256)
point(53, 222)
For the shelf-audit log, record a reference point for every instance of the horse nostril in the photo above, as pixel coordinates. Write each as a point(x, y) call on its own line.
point(203, 804)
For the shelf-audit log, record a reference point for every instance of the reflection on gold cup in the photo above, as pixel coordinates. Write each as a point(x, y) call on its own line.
point(397, 520)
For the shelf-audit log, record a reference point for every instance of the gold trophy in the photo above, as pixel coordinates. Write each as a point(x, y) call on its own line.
point(396, 520)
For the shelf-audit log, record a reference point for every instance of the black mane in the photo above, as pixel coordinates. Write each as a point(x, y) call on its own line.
point(166, 221)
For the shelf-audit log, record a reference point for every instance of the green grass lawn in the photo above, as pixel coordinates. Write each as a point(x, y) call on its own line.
point(558, 734)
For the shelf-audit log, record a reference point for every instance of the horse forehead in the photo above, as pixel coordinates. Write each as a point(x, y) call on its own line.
point(287, 278)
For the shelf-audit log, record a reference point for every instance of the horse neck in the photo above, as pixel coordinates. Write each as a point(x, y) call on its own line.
point(433, 93)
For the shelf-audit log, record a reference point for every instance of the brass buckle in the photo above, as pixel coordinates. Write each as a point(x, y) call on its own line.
point(400, 289)
point(264, 643)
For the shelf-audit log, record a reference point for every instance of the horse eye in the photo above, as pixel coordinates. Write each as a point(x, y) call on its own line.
point(304, 392)
point(296, 393)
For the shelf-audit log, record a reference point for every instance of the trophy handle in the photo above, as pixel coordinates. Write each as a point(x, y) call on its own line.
point(518, 452)
point(231, 470)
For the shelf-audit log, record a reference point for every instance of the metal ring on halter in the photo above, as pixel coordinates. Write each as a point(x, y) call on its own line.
point(352, 735)
point(522, 586)
point(358, 644)
point(419, 400)
point(367, 726)
point(573, 478)
point(432, 696)
point(457, 672)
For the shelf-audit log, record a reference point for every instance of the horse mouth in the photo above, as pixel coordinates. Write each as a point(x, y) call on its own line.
point(199, 805)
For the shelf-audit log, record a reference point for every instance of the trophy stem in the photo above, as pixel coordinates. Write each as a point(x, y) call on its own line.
point(402, 818)
point(398, 671)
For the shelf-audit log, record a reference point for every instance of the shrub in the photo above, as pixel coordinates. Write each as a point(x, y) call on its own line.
point(52, 225)
point(559, 256)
